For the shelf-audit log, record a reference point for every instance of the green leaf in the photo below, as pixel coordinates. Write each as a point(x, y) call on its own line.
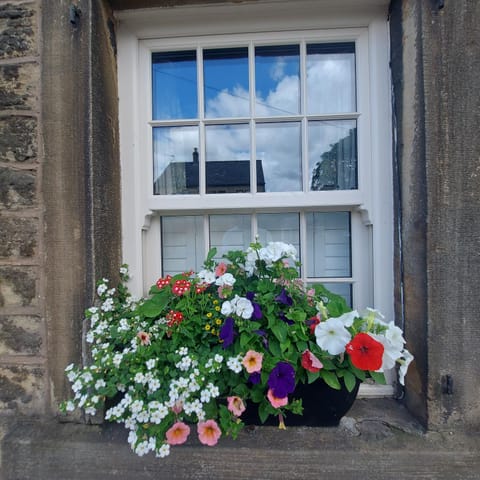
point(330, 379)
point(349, 380)
point(211, 254)
point(312, 376)
point(274, 347)
point(280, 331)
point(379, 377)
point(150, 310)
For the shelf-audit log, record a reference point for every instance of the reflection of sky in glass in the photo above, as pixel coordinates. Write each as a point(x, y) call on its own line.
point(172, 145)
point(277, 84)
point(331, 78)
point(278, 147)
point(174, 85)
point(225, 73)
point(332, 155)
point(227, 142)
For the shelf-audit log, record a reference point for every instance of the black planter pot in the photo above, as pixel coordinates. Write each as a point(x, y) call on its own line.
point(323, 406)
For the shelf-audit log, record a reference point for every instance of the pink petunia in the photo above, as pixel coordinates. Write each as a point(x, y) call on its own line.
point(252, 361)
point(236, 405)
point(177, 433)
point(208, 432)
point(220, 269)
point(275, 401)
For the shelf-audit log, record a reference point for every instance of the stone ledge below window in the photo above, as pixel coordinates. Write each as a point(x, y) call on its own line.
point(378, 440)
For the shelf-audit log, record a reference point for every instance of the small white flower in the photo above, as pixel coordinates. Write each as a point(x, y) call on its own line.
point(140, 378)
point(123, 270)
point(153, 385)
point(107, 305)
point(163, 451)
point(150, 363)
point(205, 396)
point(89, 337)
point(72, 376)
point(77, 386)
point(117, 359)
point(218, 358)
point(69, 367)
point(206, 276)
point(332, 336)
point(90, 411)
point(100, 383)
point(404, 363)
point(101, 289)
point(70, 406)
point(234, 364)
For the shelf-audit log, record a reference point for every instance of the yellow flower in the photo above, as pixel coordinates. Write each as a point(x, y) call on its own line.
point(217, 308)
point(207, 327)
point(213, 331)
point(218, 321)
point(209, 314)
point(215, 302)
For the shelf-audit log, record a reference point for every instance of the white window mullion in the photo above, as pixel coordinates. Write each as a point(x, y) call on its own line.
point(201, 125)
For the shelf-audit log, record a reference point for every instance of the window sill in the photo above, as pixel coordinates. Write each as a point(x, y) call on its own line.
point(378, 436)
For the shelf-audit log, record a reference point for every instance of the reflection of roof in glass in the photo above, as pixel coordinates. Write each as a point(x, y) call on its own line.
point(226, 174)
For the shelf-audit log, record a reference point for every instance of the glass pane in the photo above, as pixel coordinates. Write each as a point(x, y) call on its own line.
point(228, 158)
point(328, 244)
point(226, 91)
point(175, 160)
point(331, 78)
point(332, 153)
point(279, 153)
point(229, 232)
point(342, 289)
point(174, 85)
point(277, 80)
point(183, 244)
point(279, 227)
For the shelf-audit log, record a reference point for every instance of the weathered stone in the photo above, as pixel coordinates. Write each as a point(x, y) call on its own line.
point(17, 286)
point(17, 188)
point(22, 389)
point(18, 86)
point(18, 139)
point(17, 30)
point(18, 237)
point(20, 335)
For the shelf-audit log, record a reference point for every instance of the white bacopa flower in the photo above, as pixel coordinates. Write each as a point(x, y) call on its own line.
point(70, 406)
point(205, 396)
point(101, 289)
point(132, 437)
point(90, 411)
point(136, 406)
point(123, 270)
point(107, 305)
point(72, 376)
point(151, 363)
point(124, 326)
point(234, 364)
point(218, 358)
point(332, 336)
point(163, 451)
point(140, 378)
point(142, 416)
point(77, 386)
point(100, 383)
point(154, 385)
point(117, 359)
point(69, 367)
point(89, 337)
point(93, 310)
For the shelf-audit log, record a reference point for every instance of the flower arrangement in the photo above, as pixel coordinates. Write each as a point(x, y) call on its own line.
point(203, 346)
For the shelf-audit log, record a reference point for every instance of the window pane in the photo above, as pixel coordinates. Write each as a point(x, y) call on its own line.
point(229, 232)
point(279, 227)
point(175, 160)
point(183, 244)
point(277, 80)
point(332, 152)
point(174, 85)
point(279, 152)
point(331, 78)
point(228, 158)
point(226, 82)
point(328, 244)
point(342, 289)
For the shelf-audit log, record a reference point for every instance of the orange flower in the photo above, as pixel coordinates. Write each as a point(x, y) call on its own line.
point(252, 361)
point(208, 432)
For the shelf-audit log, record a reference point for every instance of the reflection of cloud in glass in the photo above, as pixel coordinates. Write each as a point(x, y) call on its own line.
point(227, 142)
point(229, 104)
point(173, 144)
point(283, 100)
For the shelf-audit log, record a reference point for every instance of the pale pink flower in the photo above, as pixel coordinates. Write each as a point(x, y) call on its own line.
point(236, 405)
point(220, 269)
point(252, 361)
point(177, 407)
point(208, 432)
point(177, 433)
point(144, 338)
point(275, 401)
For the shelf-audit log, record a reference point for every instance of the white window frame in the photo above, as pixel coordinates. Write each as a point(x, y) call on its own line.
point(141, 32)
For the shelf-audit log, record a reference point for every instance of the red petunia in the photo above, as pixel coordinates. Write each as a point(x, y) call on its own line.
point(310, 362)
point(365, 352)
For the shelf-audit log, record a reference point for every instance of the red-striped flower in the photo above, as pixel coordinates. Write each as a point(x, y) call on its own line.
point(310, 362)
point(365, 352)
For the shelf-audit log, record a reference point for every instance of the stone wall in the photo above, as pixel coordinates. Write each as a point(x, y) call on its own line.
point(22, 327)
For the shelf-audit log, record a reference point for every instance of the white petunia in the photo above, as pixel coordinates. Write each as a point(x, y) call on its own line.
point(348, 318)
point(227, 308)
point(404, 363)
point(332, 336)
point(390, 352)
point(244, 308)
point(395, 336)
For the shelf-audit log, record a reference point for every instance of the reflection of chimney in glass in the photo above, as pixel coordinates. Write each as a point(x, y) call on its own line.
point(195, 155)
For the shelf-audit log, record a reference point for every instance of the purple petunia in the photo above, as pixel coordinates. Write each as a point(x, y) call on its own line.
point(284, 298)
point(254, 378)
point(226, 332)
point(257, 311)
point(282, 379)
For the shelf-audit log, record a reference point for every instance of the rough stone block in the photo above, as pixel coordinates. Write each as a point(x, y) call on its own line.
point(18, 237)
point(17, 188)
point(18, 139)
point(17, 286)
point(19, 86)
point(17, 30)
point(22, 389)
point(20, 335)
